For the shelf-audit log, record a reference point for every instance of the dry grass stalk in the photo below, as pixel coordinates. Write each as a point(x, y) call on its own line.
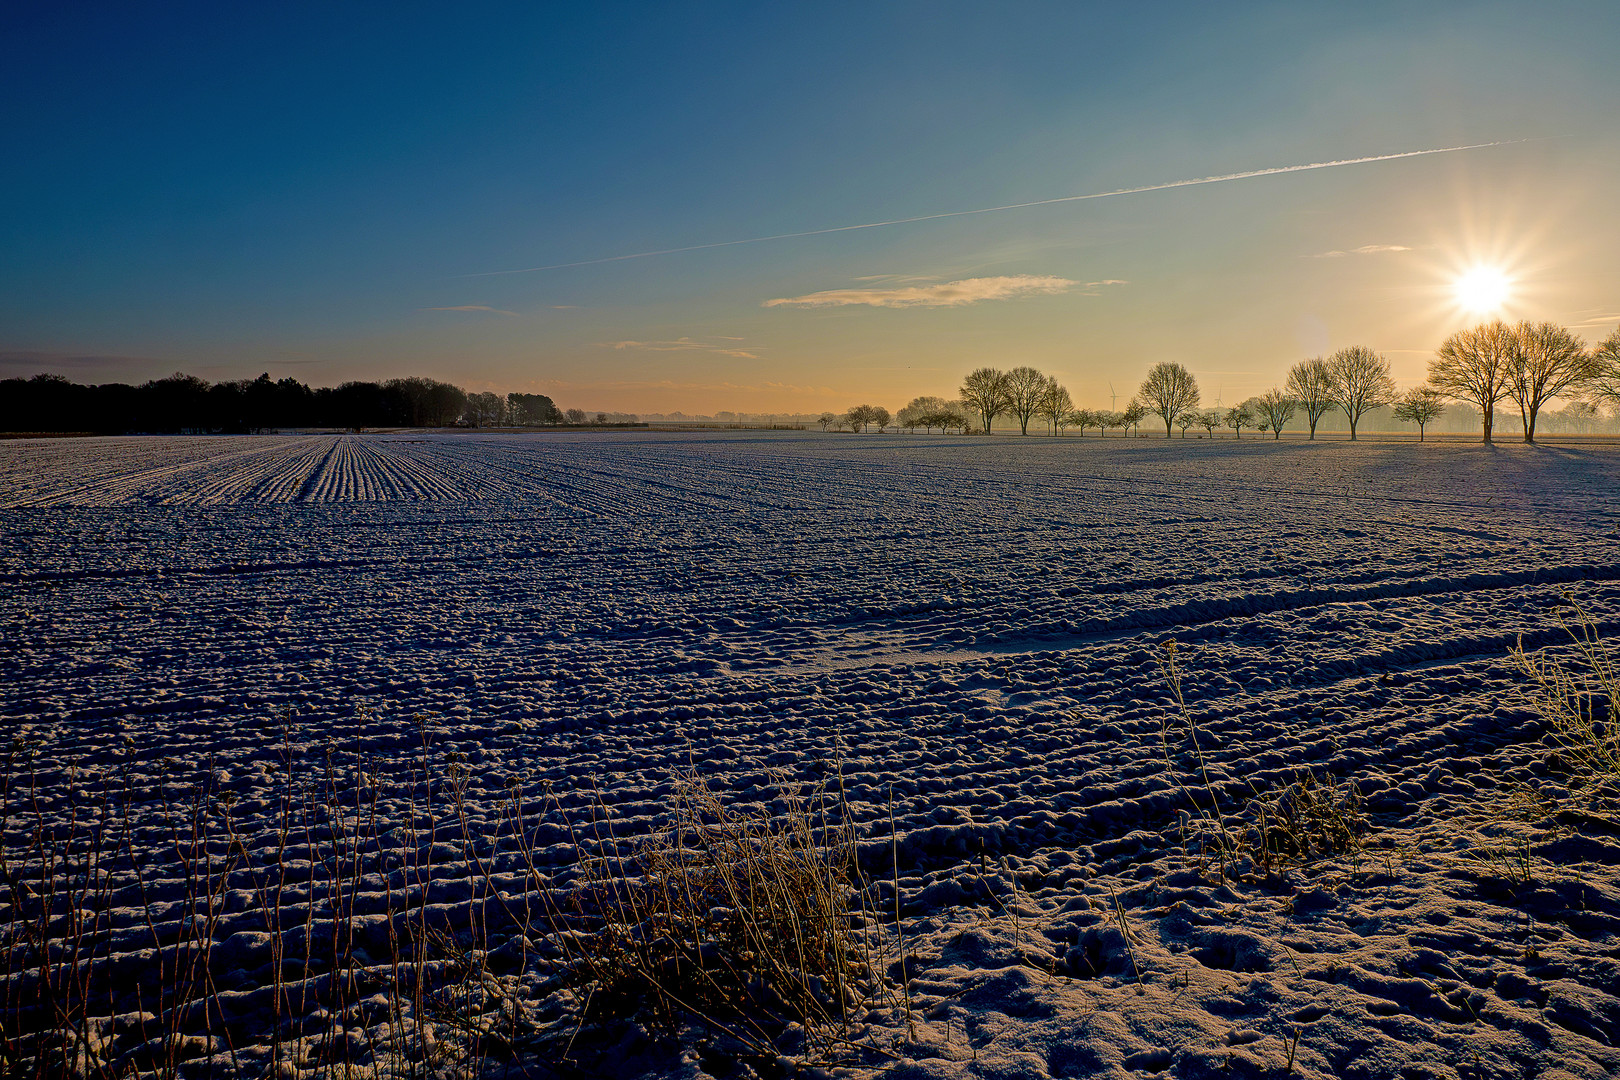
point(1306, 819)
point(305, 881)
point(1211, 828)
point(1577, 700)
point(742, 922)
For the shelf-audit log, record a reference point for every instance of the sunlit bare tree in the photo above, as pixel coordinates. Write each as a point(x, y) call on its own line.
point(861, 415)
point(1025, 389)
point(1548, 361)
point(1056, 405)
point(920, 412)
point(1311, 384)
point(1360, 382)
point(1419, 406)
point(1209, 420)
point(1277, 408)
point(984, 390)
point(1473, 366)
point(1186, 419)
point(1133, 415)
point(1603, 388)
point(1169, 390)
point(1237, 418)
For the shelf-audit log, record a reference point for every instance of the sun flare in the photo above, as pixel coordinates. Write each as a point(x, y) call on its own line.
point(1482, 289)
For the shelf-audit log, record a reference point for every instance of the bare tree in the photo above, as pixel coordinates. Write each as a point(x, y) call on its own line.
point(1603, 388)
point(1082, 419)
point(1056, 405)
point(1548, 361)
point(484, 410)
point(1419, 406)
point(861, 415)
point(1311, 384)
point(1186, 419)
point(527, 409)
point(1025, 389)
point(1360, 382)
point(575, 416)
point(985, 392)
point(1209, 420)
point(919, 412)
point(1473, 366)
point(1237, 418)
point(1169, 390)
point(879, 416)
point(1107, 419)
point(1277, 408)
point(826, 419)
point(1134, 412)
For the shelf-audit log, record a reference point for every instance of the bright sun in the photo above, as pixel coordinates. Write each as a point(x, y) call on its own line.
point(1482, 289)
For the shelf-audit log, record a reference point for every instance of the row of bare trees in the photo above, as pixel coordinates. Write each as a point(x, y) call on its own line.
point(1528, 363)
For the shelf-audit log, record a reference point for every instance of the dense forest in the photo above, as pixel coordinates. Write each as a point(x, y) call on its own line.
point(185, 403)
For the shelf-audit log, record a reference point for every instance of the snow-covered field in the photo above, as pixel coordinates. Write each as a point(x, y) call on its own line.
point(972, 625)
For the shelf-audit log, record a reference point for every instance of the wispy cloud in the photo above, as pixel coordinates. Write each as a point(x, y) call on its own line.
point(1139, 190)
point(684, 344)
point(472, 307)
point(1364, 249)
point(946, 294)
point(1091, 287)
point(1600, 320)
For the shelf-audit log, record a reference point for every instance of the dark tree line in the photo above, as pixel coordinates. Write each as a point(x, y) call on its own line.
point(185, 403)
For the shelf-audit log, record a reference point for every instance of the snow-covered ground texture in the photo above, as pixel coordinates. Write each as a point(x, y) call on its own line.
point(398, 633)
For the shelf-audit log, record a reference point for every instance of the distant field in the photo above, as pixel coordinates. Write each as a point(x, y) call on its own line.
point(970, 624)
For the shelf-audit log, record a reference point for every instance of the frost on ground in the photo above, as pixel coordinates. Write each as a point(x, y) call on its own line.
point(969, 629)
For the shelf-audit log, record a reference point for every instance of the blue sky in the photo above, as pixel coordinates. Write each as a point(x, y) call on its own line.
point(229, 190)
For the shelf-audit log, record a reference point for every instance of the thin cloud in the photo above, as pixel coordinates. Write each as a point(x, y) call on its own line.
point(1091, 287)
point(899, 279)
point(472, 307)
point(684, 344)
point(1169, 185)
point(1364, 249)
point(948, 294)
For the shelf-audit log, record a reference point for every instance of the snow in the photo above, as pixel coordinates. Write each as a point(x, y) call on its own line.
point(972, 624)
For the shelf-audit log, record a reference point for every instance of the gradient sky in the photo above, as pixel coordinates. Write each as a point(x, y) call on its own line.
point(229, 189)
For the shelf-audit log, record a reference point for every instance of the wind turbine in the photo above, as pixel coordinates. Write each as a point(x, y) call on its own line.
point(1113, 398)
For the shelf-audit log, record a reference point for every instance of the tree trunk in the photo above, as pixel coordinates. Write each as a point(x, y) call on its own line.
point(1490, 416)
point(1529, 424)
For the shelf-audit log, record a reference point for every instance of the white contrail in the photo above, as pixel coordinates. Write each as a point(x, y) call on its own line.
point(1010, 206)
